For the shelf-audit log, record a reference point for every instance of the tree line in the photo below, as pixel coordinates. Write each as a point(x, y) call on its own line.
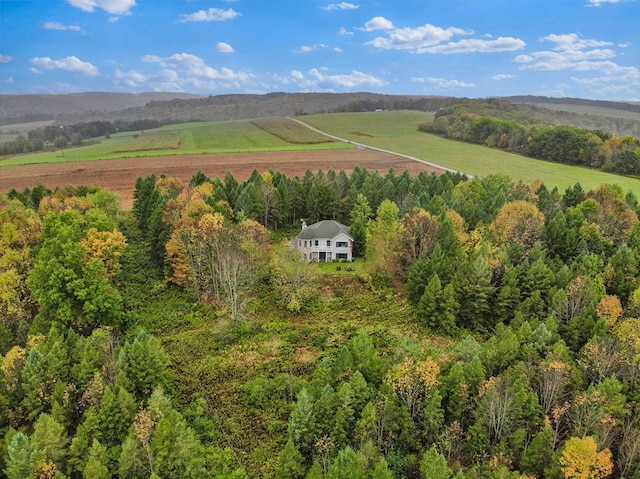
point(525, 301)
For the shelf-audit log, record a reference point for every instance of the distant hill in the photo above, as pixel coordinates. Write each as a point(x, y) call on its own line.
point(618, 118)
point(579, 106)
point(29, 108)
point(245, 106)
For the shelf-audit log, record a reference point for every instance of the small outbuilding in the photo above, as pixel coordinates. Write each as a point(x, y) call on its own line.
point(324, 241)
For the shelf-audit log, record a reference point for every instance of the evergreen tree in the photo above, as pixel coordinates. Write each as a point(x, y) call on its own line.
point(290, 463)
point(359, 219)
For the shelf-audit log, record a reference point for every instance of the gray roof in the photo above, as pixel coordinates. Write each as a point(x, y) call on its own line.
point(324, 229)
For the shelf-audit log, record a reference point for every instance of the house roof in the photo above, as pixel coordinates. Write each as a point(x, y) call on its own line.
point(324, 229)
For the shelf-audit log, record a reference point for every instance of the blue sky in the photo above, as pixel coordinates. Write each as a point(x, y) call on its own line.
point(472, 48)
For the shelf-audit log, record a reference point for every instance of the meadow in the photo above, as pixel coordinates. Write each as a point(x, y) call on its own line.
point(393, 130)
point(397, 131)
point(190, 139)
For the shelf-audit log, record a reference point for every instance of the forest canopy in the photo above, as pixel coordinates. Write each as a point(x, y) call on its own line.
point(489, 329)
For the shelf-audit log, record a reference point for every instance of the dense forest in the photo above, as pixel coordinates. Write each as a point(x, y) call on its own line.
point(490, 330)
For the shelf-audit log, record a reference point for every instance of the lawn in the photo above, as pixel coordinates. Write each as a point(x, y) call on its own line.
point(397, 131)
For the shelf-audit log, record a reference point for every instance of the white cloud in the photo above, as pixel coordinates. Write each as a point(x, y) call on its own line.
point(344, 31)
point(502, 44)
point(433, 39)
point(310, 48)
point(7, 81)
point(164, 80)
point(194, 66)
point(416, 38)
point(61, 27)
point(5, 58)
point(341, 6)
point(597, 3)
point(378, 23)
point(502, 76)
point(222, 47)
point(570, 53)
point(571, 41)
point(211, 15)
point(115, 7)
point(71, 64)
point(443, 83)
point(316, 80)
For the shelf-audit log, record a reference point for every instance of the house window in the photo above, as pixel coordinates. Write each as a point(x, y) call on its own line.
point(328, 242)
point(316, 242)
point(305, 244)
point(342, 244)
point(342, 256)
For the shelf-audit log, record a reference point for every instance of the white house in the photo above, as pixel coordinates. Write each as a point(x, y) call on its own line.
point(324, 241)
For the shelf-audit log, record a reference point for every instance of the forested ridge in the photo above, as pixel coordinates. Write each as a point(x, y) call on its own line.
point(490, 329)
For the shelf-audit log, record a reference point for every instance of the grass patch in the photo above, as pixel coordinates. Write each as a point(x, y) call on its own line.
point(397, 131)
point(159, 140)
point(291, 131)
point(183, 139)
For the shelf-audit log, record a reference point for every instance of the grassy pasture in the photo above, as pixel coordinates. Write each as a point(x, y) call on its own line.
point(183, 139)
point(169, 140)
point(396, 131)
point(291, 131)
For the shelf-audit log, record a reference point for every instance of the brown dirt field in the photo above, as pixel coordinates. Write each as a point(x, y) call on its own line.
point(120, 175)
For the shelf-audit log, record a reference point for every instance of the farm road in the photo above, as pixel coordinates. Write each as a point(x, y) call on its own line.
point(362, 145)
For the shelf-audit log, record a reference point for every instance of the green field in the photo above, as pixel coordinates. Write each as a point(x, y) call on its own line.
point(397, 131)
point(189, 139)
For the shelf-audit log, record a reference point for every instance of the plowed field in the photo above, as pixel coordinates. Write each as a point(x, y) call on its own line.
point(120, 175)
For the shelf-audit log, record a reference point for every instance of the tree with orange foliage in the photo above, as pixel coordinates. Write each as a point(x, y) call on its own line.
point(580, 459)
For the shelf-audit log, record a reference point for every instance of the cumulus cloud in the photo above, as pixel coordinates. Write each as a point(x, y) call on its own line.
point(429, 38)
point(5, 58)
point(71, 64)
point(115, 7)
point(570, 53)
point(210, 15)
point(164, 80)
point(341, 6)
point(222, 47)
point(378, 23)
point(185, 71)
point(502, 76)
point(310, 48)
point(314, 79)
point(344, 31)
point(502, 44)
point(61, 27)
point(443, 83)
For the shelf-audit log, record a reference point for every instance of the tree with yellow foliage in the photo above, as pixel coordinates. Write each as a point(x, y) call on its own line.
point(580, 459)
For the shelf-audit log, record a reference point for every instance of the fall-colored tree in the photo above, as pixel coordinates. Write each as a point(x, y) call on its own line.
point(580, 459)
point(519, 222)
point(382, 234)
point(412, 380)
